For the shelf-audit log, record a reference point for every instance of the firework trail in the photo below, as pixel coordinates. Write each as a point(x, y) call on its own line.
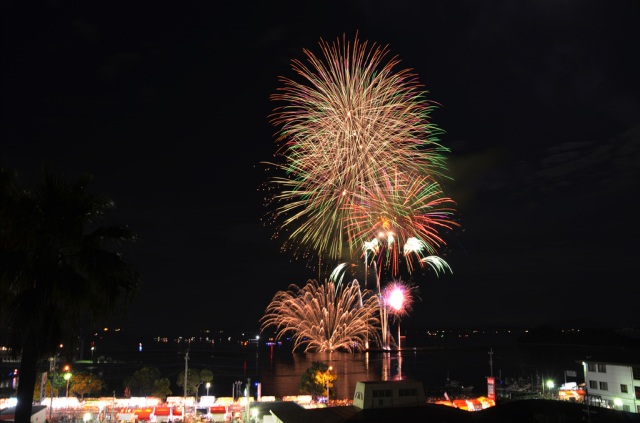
point(354, 134)
point(324, 317)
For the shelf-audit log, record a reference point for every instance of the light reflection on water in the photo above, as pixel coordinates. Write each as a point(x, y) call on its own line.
point(280, 374)
point(279, 371)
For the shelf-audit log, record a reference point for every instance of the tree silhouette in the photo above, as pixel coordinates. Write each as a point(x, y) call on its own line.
point(142, 382)
point(315, 379)
point(60, 271)
point(162, 388)
point(85, 383)
point(195, 379)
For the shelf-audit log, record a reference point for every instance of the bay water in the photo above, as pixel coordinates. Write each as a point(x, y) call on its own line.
point(273, 369)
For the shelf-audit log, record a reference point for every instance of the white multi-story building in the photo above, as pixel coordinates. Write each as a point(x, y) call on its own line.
point(612, 384)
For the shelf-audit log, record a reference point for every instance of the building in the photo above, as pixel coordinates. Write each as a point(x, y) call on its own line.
point(613, 383)
point(394, 401)
point(385, 394)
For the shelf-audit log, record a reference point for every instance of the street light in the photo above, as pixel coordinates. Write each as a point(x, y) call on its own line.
point(67, 377)
point(208, 386)
point(327, 378)
point(550, 386)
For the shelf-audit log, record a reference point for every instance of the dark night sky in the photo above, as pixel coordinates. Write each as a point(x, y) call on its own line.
point(167, 104)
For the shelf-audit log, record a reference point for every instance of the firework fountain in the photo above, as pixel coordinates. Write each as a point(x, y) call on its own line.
point(324, 317)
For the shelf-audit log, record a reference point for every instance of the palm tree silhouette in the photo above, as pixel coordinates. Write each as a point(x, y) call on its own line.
point(57, 273)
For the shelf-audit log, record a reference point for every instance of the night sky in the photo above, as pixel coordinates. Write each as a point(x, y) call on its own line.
point(166, 104)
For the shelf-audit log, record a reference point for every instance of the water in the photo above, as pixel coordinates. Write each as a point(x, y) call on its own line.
point(430, 359)
point(280, 373)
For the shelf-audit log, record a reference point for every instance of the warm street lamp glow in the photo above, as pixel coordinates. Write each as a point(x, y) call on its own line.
point(328, 377)
point(208, 386)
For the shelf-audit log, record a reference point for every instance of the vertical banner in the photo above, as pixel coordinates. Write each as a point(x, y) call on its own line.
point(491, 388)
point(43, 385)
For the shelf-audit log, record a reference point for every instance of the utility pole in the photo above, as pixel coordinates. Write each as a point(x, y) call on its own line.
point(237, 392)
point(491, 362)
point(247, 411)
point(184, 401)
point(53, 370)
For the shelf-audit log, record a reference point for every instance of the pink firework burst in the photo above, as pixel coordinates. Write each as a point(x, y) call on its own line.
point(398, 296)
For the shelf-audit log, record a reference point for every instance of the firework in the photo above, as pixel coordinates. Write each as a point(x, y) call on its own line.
point(398, 298)
point(437, 264)
point(349, 124)
point(405, 214)
point(324, 317)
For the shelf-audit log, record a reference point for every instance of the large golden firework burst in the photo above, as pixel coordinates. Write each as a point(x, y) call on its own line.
point(324, 317)
point(354, 134)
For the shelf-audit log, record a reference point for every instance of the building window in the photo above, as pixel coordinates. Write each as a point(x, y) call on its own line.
point(591, 367)
point(407, 392)
point(593, 384)
point(604, 386)
point(602, 368)
point(381, 393)
point(637, 389)
point(636, 373)
point(626, 408)
point(623, 389)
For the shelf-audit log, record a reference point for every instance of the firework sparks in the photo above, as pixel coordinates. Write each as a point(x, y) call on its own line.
point(437, 264)
point(352, 121)
point(323, 317)
point(397, 299)
point(405, 213)
point(397, 296)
